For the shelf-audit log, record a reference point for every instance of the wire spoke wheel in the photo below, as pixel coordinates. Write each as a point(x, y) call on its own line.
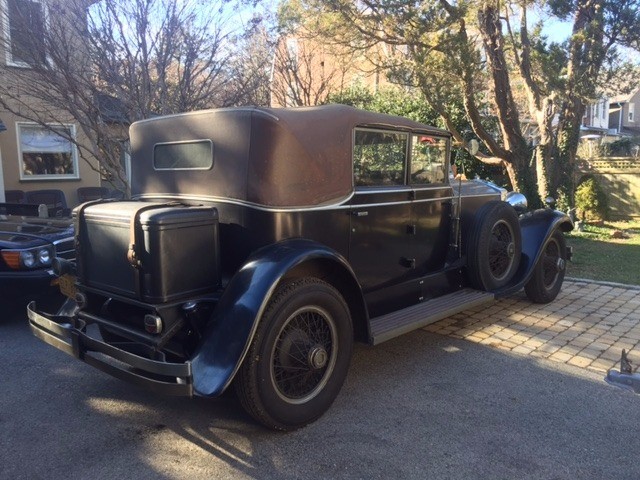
point(552, 263)
point(494, 246)
point(501, 250)
point(304, 354)
point(299, 356)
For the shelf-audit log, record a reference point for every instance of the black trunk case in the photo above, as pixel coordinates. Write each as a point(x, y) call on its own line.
point(177, 247)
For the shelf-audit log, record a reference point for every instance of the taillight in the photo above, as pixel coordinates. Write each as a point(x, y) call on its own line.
point(152, 323)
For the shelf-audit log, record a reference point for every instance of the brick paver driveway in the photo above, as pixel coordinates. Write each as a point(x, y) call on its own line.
point(588, 325)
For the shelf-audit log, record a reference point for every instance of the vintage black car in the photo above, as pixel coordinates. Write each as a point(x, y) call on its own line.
point(261, 243)
point(28, 245)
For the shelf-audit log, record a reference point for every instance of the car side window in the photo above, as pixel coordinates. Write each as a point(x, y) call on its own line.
point(428, 159)
point(379, 157)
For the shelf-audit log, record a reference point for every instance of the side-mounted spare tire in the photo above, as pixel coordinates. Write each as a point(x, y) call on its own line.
point(494, 246)
point(299, 356)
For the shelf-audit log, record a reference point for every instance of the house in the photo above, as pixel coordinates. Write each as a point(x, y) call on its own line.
point(33, 157)
point(609, 120)
point(305, 72)
point(623, 115)
point(596, 117)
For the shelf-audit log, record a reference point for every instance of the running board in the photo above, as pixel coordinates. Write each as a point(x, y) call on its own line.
point(417, 316)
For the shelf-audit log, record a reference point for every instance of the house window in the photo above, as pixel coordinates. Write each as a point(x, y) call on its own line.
point(292, 52)
point(24, 27)
point(47, 153)
point(632, 112)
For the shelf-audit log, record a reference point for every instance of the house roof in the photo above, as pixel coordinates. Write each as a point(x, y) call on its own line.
point(112, 109)
point(624, 98)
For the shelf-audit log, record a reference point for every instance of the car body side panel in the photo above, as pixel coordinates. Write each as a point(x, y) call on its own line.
point(430, 228)
point(536, 227)
point(235, 319)
point(378, 240)
point(244, 230)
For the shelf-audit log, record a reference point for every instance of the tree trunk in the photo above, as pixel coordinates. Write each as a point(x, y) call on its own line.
point(567, 146)
point(544, 150)
point(586, 55)
point(518, 156)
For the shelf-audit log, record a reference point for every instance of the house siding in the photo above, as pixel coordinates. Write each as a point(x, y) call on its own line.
point(619, 117)
point(12, 164)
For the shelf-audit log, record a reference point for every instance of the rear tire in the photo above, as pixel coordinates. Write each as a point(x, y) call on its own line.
point(495, 246)
point(548, 273)
point(299, 356)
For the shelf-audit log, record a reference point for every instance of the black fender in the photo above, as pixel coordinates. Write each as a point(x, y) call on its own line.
point(234, 321)
point(536, 228)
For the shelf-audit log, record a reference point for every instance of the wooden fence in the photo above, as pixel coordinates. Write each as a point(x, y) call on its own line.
point(619, 179)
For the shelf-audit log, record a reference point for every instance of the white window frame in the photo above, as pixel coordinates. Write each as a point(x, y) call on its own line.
point(632, 112)
point(45, 177)
point(292, 51)
point(6, 32)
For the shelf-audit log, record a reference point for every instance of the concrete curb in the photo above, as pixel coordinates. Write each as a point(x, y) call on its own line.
point(601, 282)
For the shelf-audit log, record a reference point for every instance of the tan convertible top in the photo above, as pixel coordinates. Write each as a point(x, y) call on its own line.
point(273, 157)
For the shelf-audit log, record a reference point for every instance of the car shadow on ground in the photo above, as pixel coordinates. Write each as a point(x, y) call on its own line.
point(419, 403)
point(14, 310)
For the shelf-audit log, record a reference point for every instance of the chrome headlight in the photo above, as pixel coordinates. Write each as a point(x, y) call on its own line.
point(39, 257)
point(518, 201)
point(550, 202)
point(44, 257)
point(27, 258)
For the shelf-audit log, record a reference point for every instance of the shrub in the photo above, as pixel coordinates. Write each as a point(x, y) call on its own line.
point(620, 148)
point(591, 201)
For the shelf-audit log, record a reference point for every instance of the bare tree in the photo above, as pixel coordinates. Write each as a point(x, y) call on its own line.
point(250, 67)
point(107, 64)
point(305, 71)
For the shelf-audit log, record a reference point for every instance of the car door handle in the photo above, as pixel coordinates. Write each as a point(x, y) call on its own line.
point(408, 262)
point(361, 213)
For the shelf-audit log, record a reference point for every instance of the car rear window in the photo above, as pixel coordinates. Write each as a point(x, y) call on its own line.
point(189, 155)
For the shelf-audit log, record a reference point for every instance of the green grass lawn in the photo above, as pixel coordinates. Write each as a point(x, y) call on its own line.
point(598, 256)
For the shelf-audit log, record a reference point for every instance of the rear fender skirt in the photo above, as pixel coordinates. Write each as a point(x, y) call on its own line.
point(228, 335)
point(536, 227)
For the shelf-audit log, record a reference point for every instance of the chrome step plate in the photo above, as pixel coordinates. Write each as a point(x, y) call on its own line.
point(417, 316)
